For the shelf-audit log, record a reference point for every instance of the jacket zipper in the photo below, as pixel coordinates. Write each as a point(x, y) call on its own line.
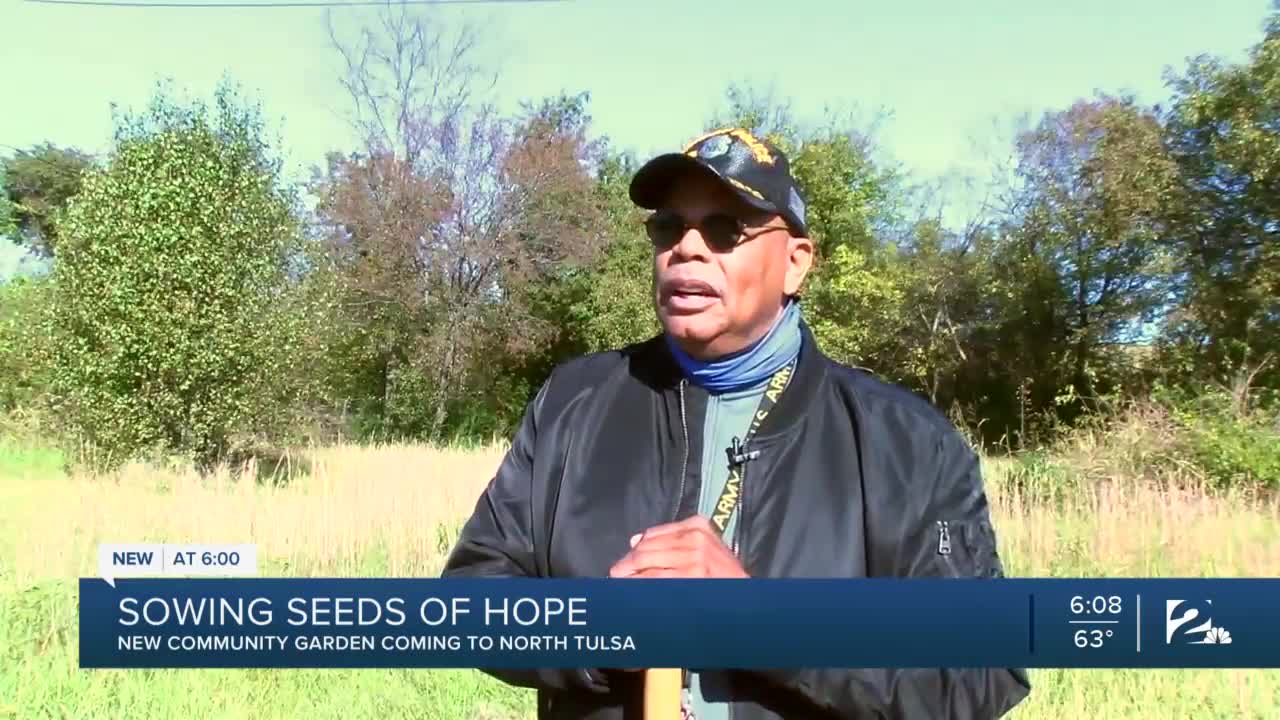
point(737, 536)
point(675, 512)
point(684, 466)
point(742, 511)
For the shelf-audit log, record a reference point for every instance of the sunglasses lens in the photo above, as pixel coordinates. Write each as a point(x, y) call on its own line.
point(721, 232)
point(664, 230)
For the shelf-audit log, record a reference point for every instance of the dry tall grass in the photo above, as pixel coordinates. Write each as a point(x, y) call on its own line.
point(1122, 527)
point(402, 502)
point(393, 511)
point(390, 499)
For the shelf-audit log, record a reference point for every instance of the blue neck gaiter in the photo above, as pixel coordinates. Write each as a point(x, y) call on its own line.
point(750, 366)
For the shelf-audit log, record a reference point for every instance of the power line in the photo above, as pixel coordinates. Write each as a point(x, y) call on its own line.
point(273, 4)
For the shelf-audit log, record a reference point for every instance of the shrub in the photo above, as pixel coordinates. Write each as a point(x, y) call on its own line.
point(172, 290)
point(1207, 438)
point(1231, 443)
point(26, 346)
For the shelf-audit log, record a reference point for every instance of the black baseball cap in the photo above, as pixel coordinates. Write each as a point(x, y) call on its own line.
point(753, 168)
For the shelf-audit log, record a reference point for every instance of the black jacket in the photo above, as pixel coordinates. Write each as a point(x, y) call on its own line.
point(854, 479)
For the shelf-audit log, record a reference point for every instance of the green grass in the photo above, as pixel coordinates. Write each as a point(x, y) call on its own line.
point(40, 679)
point(19, 459)
point(1120, 532)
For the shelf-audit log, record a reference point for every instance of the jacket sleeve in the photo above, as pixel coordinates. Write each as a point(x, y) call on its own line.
point(957, 497)
point(497, 541)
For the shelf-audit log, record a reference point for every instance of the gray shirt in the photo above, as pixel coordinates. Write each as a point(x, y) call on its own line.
point(728, 416)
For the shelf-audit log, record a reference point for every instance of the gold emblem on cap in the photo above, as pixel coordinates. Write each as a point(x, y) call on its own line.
point(757, 148)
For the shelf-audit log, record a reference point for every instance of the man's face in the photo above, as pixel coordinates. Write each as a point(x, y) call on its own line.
point(716, 300)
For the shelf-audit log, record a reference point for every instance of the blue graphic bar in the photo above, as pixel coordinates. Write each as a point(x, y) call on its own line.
point(758, 623)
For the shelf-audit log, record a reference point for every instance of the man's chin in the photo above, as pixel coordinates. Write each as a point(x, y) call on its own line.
point(692, 331)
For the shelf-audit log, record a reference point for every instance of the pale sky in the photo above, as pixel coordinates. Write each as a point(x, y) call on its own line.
point(656, 70)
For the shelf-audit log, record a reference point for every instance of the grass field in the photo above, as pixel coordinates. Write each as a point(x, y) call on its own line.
point(393, 511)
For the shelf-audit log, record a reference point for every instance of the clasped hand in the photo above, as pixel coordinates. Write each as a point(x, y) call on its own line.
point(686, 549)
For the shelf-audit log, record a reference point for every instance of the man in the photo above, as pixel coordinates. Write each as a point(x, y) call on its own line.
point(645, 461)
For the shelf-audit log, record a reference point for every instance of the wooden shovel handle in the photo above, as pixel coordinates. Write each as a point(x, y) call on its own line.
point(662, 690)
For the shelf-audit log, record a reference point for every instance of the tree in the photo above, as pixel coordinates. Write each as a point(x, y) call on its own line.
point(855, 308)
point(38, 183)
point(849, 199)
point(1224, 130)
point(449, 217)
point(1097, 187)
point(854, 293)
point(172, 269)
point(760, 110)
point(8, 221)
point(616, 306)
point(25, 345)
point(947, 281)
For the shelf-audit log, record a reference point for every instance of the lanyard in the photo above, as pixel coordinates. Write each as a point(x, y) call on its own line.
point(738, 454)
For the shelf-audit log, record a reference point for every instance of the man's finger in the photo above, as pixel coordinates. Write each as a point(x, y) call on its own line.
point(653, 573)
point(685, 541)
point(650, 558)
point(695, 522)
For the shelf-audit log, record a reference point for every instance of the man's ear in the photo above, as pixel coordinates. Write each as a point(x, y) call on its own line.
point(799, 262)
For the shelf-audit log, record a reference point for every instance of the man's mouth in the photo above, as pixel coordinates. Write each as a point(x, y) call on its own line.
point(688, 294)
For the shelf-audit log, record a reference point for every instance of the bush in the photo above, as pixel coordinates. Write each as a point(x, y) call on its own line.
point(1231, 443)
point(1207, 438)
point(26, 346)
point(1041, 478)
point(173, 291)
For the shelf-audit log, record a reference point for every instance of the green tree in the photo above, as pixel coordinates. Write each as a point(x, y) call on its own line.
point(26, 344)
point(172, 272)
point(854, 307)
point(1224, 129)
point(618, 307)
point(948, 305)
point(853, 297)
point(1097, 187)
point(849, 198)
point(8, 222)
point(38, 183)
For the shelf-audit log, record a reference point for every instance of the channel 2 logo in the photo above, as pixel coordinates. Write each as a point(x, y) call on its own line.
point(1187, 622)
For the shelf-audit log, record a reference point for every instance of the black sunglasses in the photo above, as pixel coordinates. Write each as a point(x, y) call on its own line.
point(721, 231)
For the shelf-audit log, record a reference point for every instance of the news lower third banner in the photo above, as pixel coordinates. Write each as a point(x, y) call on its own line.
point(630, 623)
